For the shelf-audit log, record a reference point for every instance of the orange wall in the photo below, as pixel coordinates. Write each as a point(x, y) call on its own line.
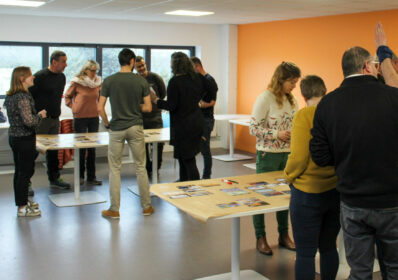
point(316, 45)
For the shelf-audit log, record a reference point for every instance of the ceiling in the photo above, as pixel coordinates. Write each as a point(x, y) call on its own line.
point(226, 11)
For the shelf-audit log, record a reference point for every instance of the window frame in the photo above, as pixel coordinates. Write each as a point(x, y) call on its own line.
point(46, 45)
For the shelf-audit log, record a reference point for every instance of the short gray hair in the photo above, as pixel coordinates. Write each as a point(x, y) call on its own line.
point(354, 60)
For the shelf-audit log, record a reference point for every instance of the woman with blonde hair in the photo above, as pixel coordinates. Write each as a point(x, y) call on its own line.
point(23, 120)
point(271, 122)
point(82, 96)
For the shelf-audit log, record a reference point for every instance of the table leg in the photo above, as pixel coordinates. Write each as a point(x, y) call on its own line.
point(155, 163)
point(231, 140)
point(76, 185)
point(235, 249)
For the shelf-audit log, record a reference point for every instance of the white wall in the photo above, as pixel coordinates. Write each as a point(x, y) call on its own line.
point(217, 43)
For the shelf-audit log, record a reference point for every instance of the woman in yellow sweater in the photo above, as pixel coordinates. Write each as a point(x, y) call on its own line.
point(314, 203)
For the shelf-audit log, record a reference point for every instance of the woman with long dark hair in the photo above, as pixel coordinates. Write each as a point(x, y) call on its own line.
point(271, 122)
point(184, 92)
point(22, 137)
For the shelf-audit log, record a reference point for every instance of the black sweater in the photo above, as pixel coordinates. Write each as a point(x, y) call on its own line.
point(356, 130)
point(47, 92)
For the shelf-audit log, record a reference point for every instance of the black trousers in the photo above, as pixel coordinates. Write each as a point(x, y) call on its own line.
point(24, 153)
point(205, 148)
point(188, 169)
point(87, 156)
point(315, 223)
point(50, 126)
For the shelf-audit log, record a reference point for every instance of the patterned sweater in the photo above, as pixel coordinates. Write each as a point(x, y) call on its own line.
point(267, 119)
point(21, 114)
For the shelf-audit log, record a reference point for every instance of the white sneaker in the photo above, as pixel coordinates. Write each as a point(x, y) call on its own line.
point(27, 211)
point(32, 204)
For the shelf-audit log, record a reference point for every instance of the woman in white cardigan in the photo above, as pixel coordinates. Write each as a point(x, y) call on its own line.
point(271, 122)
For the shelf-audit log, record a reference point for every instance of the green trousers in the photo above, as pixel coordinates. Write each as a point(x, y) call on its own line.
point(267, 162)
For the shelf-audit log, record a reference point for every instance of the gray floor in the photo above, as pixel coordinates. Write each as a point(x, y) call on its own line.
point(77, 243)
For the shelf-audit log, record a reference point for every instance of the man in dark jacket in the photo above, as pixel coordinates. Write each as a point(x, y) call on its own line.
point(355, 129)
point(152, 119)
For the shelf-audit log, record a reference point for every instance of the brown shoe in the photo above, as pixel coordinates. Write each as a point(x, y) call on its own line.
point(285, 241)
point(149, 211)
point(263, 247)
point(111, 214)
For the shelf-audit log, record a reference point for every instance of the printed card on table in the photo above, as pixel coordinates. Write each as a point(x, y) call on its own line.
point(199, 193)
point(228, 205)
point(234, 191)
point(271, 193)
point(176, 194)
point(256, 187)
point(190, 188)
point(258, 183)
point(252, 202)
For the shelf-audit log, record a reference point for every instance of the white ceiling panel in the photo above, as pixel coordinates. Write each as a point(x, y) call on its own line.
point(226, 11)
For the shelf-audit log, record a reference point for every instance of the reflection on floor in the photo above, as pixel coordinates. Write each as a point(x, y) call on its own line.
point(77, 243)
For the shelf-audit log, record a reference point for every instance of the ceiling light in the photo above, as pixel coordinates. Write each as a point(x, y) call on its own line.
point(189, 13)
point(21, 3)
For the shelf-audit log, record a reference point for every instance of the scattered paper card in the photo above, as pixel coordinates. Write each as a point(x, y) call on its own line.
point(257, 187)
point(252, 202)
point(258, 183)
point(176, 194)
point(234, 191)
point(228, 205)
point(200, 193)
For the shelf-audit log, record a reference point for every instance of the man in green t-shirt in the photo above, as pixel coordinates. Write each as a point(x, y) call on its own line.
point(129, 97)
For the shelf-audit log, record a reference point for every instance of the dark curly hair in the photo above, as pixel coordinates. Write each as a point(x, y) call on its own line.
point(182, 65)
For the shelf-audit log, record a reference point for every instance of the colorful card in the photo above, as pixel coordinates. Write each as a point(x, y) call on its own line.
point(228, 205)
point(273, 193)
point(190, 188)
point(234, 191)
point(286, 192)
point(209, 185)
point(199, 193)
point(176, 194)
point(257, 187)
point(252, 202)
point(179, 196)
point(282, 180)
point(258, 183)
point(264, 190)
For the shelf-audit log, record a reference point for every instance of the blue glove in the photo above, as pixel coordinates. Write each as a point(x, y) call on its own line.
point(384, 52)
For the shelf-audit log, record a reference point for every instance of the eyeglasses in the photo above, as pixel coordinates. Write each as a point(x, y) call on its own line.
point(376, 63)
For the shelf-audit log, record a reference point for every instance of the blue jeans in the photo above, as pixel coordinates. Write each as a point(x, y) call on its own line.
point(315, 223)
point(205, 148)
point(361, 227)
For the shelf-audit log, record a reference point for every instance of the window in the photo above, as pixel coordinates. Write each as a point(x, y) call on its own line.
point(13, 56)
point(160, 61)
point(77, 56)
point(110, 60)
point(37, 55)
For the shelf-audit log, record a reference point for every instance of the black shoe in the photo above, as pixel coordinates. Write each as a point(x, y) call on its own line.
point(94, 182)
point(60, 184)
